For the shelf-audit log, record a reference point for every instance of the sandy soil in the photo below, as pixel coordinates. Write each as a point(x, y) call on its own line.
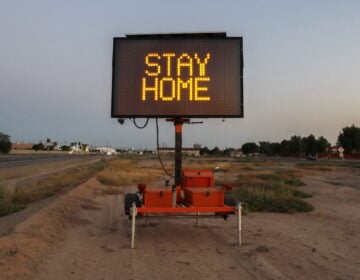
point(83, 234)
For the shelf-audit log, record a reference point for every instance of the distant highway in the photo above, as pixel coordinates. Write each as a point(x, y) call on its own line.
point(19, 160)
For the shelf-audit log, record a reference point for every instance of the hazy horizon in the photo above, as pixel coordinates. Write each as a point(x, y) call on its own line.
point(302, 61)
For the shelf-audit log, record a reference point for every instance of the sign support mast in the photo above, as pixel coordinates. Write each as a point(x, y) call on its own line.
point(178, 123)
point(178, 147)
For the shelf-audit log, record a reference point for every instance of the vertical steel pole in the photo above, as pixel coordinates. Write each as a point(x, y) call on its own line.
point(239, 222)
point(133, 219)
point(178, 147)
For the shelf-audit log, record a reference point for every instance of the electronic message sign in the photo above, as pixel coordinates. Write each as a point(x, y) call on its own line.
point(177, 77)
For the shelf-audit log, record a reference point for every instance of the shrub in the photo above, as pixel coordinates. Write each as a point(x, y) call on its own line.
point(6, 205)
point(273, 198)
point(272, 192)
point(296, 182)
point(5, 143)
point(283, 176)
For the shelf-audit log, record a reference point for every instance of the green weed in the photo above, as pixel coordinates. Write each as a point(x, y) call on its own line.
point(272, 192)
point(272, 198)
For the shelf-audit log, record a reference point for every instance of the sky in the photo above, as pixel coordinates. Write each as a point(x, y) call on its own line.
point(301, 68)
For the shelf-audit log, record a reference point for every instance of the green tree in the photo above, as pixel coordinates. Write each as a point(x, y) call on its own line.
point(204, 151)
point(295, 145)
point(215, 152)
point(284, 147)
point(65, 148)
point(310, 145)
point(249, 148)
point(349, 139)
point(228, 151)
point(322, 144)
point(265, 148)
point(5, 143)
point(197, 146)
point(38, 147)
point(275, 148)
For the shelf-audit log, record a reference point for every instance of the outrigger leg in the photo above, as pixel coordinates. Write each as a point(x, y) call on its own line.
point(239, 222)
point(133, 219)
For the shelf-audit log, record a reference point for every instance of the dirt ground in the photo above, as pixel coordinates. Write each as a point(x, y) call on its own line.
point(83, 234)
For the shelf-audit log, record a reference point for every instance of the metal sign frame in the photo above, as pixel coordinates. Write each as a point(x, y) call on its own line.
point(186, 36)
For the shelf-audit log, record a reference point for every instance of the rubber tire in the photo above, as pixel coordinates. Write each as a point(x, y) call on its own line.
point(230, 200)
point(128, 201)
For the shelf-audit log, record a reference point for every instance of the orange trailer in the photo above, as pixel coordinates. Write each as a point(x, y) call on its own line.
point(178, 76)
point(194, 192)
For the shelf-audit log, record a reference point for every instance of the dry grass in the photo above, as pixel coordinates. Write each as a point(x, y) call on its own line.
point(14, 198)
point(6, 205)
point(266, 163)
point(287, 177)
point(314, 167)
point(125, 172)
point(113, 190)
point(28, 170)
point(229, 166)
point(328, 166)
point(224, 166)
point(257, 161)
point(248, 168)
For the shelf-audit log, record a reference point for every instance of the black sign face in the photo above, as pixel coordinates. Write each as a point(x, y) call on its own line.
point(177, 77)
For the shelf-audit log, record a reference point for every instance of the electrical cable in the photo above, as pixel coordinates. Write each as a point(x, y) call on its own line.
point(141, 127)
point(157, 150)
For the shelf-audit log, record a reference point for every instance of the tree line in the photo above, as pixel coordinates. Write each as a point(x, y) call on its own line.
point(294, 146)
point(349, 139)
point(53, 145)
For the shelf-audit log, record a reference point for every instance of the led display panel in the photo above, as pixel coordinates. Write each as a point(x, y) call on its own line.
point(177, 77)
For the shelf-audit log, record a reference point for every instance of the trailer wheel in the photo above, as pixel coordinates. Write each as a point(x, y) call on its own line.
point(129, 199)
point(230, 200)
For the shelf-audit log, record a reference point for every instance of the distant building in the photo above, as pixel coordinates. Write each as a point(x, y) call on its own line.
point(79, 148)
point(333, 150)
point(21, 146)
point(75, 149)
point(105, 151)
point(236, 153)
point(57, 147)
point(185, 151)
point(85, 148)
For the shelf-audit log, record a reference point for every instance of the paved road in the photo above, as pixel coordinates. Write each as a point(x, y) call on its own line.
point(18, 160)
